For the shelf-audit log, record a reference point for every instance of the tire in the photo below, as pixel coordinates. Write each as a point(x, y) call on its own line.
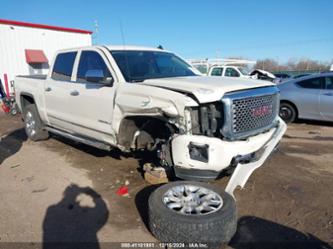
point(13, 111)
point(215, 228)
point(288, 112)
point(34, 127)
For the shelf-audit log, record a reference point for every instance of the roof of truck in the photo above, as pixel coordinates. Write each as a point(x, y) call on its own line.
point(133, 48)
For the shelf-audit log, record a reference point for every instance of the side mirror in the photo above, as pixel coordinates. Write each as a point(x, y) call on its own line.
point(97, 76)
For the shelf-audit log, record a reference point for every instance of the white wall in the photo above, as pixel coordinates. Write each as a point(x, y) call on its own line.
point(15, 39)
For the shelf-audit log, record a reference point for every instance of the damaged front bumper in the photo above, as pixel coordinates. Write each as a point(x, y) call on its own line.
point(204, 158)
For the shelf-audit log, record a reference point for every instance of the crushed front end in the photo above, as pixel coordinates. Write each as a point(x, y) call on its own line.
point(235, 134)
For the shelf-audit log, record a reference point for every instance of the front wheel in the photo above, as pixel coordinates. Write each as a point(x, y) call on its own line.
point(186, 212)
point(288, 112)
point(33, 124)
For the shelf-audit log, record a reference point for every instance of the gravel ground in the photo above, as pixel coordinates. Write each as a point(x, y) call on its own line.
point(59, 189)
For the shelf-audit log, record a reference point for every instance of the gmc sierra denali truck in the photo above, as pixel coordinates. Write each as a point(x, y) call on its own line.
point(138, 98)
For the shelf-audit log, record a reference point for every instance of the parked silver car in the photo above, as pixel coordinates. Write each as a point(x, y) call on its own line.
point(309, 97)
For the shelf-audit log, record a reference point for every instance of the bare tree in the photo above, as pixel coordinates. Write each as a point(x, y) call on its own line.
point(303, 64)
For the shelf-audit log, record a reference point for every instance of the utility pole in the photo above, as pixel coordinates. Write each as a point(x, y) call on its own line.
point(95, 34)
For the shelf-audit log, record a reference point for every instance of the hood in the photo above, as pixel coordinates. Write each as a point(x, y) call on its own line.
point(263, 72)
point(207, 89)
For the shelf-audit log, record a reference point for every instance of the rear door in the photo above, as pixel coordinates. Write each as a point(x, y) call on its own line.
point(57, 90)
point(91, 103)
point(326, 99)
point(307, 97)
point(231, 72)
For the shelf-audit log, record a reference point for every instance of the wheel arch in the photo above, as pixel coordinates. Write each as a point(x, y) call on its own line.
point(151, 127)
point(292, 104)
point(26, 99)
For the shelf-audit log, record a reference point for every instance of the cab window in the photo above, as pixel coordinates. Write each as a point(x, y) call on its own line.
point(230, 72)
point(91, 63)
point(217, 71)
point(63, 66)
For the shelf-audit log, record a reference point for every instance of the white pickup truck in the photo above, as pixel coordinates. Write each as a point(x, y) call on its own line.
point(137, 98)
point(228, 71)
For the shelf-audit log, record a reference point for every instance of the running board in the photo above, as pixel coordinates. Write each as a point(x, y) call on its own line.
point(87, 141)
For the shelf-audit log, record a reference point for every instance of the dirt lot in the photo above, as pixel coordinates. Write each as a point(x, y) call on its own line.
point(50, 190)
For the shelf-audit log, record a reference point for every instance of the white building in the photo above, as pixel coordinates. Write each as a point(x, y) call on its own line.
point(28, 48)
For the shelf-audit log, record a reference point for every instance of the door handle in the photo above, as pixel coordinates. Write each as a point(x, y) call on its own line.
point(328, 94)
point(48, 89)
point(74, 93)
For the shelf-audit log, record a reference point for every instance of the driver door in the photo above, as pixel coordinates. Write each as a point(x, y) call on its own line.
point(91, 100)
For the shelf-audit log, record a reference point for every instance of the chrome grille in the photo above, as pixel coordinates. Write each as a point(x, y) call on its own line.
point(250, 112)
point(253, 113)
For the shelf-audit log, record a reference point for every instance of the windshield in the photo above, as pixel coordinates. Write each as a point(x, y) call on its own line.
point(244, 70)
point(137, 66)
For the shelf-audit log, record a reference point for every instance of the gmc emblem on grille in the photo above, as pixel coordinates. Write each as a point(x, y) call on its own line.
point(262, 111)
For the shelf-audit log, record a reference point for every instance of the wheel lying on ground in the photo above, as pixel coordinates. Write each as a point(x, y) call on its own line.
point(189, 212)
point(288, 112)
point(34, 127)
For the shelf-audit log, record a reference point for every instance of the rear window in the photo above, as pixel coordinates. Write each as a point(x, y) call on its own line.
point(314, 83)
point(63, 66)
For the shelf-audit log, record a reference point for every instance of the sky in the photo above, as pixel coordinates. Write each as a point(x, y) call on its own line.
point(251, 29)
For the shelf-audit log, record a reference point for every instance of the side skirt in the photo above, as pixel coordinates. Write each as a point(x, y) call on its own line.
point(80, 139)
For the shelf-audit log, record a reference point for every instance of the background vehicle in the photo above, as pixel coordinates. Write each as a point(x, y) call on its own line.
point(231, 68)
point(223, 67)
point(309, 97)
point(7, 103)
point(301, 75)
point(262, 75)
point(229, 71)
point(281, 77)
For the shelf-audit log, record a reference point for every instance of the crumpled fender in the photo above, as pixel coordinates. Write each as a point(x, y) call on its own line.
point(137, 99)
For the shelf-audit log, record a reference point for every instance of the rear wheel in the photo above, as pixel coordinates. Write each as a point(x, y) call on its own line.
point(288, 112)
point(34, 127)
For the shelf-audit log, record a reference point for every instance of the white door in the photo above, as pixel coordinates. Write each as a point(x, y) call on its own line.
point(57, 90)
point(92, 97)
point(326, 100)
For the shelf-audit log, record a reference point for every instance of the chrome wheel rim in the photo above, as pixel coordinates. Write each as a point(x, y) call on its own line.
point(30, 124)
point(192, 200)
